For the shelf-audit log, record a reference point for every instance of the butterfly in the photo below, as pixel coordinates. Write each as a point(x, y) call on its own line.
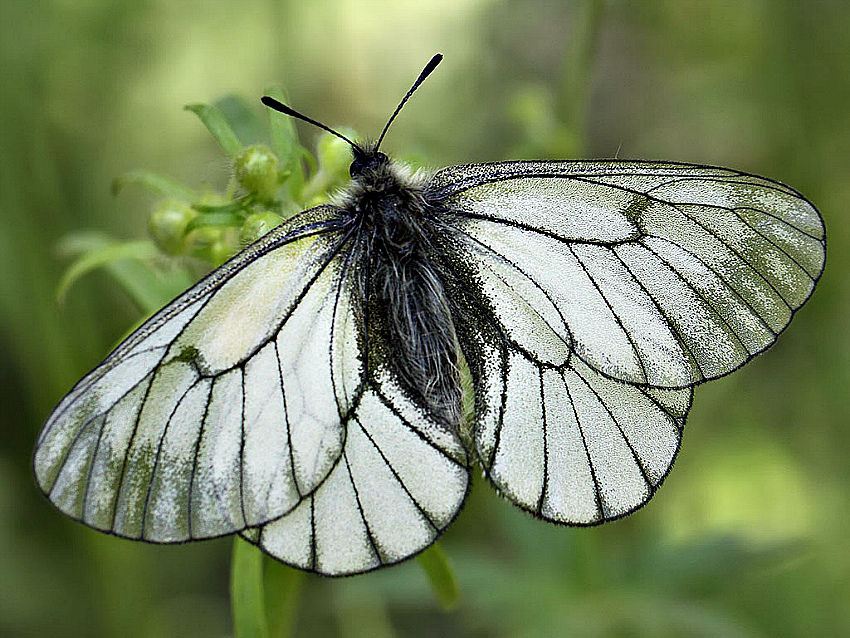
point(309, 394)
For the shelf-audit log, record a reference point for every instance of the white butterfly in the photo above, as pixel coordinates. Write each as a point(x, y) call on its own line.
point(307, 394)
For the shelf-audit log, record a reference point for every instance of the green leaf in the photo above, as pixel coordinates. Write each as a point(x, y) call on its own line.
point(78, 242)
point(246, 591)
point(217, 125)
point(283, 586)
point(285, 143)
point(284, 135)
point(129, 263)
point(159, 183)
point(236, 205)
point(242, 118)
point(442, 576)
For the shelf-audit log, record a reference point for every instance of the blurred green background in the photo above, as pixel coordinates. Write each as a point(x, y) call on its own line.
point(749, 535)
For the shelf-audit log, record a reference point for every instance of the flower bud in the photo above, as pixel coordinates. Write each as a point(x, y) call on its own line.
point(221, 250)
point(334, 155)
point(199, 241)
point(257, 171)
point(167, 224)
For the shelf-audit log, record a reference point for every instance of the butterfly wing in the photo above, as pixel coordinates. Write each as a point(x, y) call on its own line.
point(563, 441)
point(224, 409)
point(660, 274)
point(554, 436)
point(399, 482)
point(600, 293)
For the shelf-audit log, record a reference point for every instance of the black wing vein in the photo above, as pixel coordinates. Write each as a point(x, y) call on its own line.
point(597, 492)
point(389, 465)
point(613, 313)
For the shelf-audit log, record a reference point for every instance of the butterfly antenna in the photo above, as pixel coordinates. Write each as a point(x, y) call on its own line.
point(425, 73)
point(282, 108)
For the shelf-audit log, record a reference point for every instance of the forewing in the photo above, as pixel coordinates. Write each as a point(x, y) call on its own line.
point(656, 274)
point(225, 409)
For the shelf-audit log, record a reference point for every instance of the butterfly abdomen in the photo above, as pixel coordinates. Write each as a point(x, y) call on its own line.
point(419, 335)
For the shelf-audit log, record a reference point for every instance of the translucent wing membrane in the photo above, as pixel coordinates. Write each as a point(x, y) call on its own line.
point(601, 293)
point(223, 410)
point(557, 438)
point(568, 444)
point(399, 483)
point(662, 275)
point(248, 399)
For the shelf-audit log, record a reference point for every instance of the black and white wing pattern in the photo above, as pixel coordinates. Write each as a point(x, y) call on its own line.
point(244, 400)
point(399, 483)
point(185, 431)
point(609, 289)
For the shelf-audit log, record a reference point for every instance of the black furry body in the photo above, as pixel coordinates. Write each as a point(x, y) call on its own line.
point(399, 233)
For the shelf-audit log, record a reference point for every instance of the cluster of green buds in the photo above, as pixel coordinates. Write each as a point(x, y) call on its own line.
point(272, 177)
point(214, 226)
point(268, 184)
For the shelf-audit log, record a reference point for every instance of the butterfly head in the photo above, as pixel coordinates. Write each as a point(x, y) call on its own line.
point(369, 160)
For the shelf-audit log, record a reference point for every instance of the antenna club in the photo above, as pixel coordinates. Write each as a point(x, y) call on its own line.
point(432, 64)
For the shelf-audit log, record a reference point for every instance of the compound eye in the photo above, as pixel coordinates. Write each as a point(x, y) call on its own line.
point(356, 168)
point(380, 158)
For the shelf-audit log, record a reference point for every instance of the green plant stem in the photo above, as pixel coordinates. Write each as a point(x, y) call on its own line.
point(442, 576)
point(247, 602)
point(283, 587)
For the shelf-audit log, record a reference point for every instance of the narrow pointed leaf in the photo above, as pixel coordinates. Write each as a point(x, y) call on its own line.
point(217, 125)
point(126, 262)
point(157, 183)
